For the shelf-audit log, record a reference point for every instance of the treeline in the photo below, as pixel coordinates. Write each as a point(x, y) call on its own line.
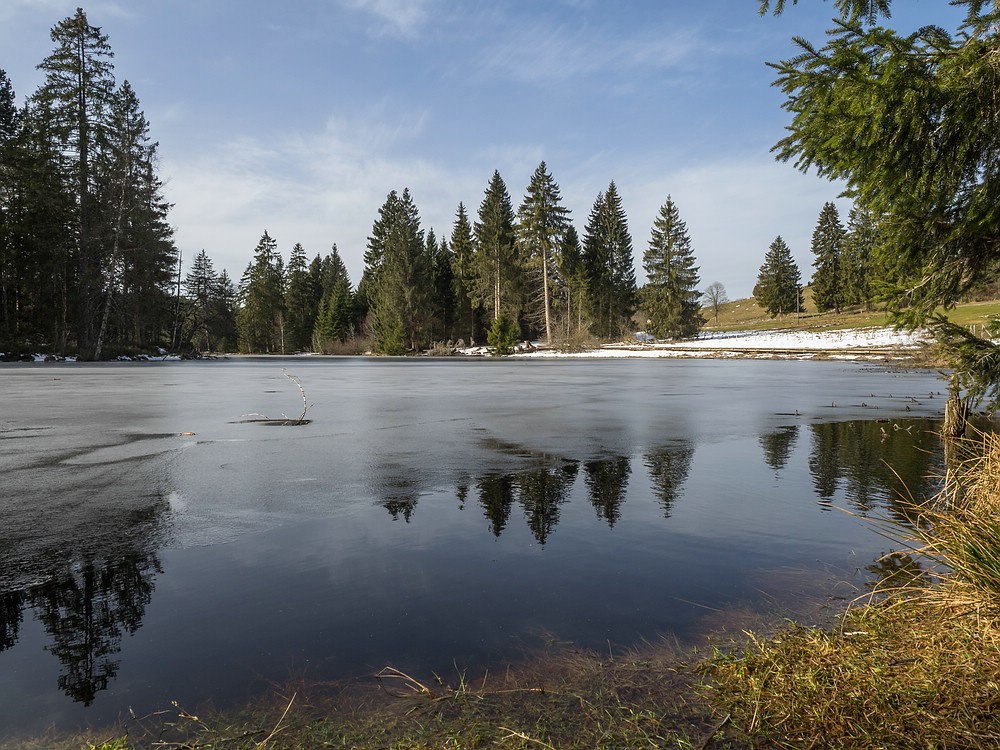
point(88, 262)
point(497, 278)
point(87, 258)
point(848, 269)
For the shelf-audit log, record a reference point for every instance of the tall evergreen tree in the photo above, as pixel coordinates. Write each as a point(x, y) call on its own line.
point(260, 315)
point(542, 223)
point(443, 303)
point(131, 228)
point(859, 257)
point(574, 276)
point(671, 296)
point(463, 252)
point(37, 238)
point(497, 265)
point(778, 288)
point(300, 301)
point(401, 294)
point(608, 264)
point(828, 283)
point(79, 84)
point(199, 290)
point(335, 321)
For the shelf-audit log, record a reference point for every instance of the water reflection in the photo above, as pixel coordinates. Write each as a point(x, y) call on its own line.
point(778, 445)
point(540, 493)
point(91, 592)
point(875, 461)
point(669, 466)
point(607, 483)
point(11, 616)
point(87, 609)
point(496, 496)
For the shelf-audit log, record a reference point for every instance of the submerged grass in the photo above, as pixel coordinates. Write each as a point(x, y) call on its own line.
point(567, 699)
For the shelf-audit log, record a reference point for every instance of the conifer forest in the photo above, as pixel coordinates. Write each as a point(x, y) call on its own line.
point(88, 263)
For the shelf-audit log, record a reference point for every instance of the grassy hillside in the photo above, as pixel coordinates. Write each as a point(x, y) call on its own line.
point(746, 314)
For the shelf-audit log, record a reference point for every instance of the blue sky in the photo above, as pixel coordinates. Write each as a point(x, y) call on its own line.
point(299, 117)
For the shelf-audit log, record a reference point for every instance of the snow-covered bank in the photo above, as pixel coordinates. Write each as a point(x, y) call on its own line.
point(855, 343)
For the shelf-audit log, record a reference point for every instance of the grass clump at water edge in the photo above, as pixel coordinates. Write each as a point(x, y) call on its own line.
point(566, 699)
point(917, 666)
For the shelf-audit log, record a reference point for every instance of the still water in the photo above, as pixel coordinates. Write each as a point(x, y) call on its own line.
point(155, 545)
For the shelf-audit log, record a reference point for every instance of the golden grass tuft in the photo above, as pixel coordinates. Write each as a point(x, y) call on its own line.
point(916, 666)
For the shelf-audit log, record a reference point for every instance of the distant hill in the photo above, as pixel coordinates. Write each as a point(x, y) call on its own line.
point(746, 314)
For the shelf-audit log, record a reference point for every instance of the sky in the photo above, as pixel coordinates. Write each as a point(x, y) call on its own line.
point(297, 118)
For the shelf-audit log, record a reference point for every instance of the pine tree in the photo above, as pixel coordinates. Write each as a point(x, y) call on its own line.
point(573, 273)
point(131, 228)
point(778, 288)
point(828, 286)
point(401, 278)
point(300, 301)
point(671, 296)
point(859, 257)
point(542, 223)
point(79, 84)
point(497, 266)
point(608, 264)
point(260, 316)
point(199, 290)
point(463, 276)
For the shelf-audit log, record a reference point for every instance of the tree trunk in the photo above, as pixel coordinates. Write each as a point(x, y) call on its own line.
point(956, 412)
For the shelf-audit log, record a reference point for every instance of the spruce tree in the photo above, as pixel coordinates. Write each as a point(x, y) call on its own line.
point(828, 283)
point(671, 296)
point(608, 264)
point(463, 251)
point(497, 265)
point(573, 273)
point(778, 289)
point(542, 222)
point(859, 257)
point(131, 231)
point(300, 307)
point(260, 316)
point(199, 289)
point(335, 316)
point(400, 298)
point(78, 87)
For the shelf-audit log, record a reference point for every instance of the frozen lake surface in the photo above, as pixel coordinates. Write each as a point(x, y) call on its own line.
point(434, 513)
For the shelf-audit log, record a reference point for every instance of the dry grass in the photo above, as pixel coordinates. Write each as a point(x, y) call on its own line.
point(918, 666)
point(563, 699)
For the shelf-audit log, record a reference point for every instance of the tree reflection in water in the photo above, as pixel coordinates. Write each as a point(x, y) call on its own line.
point(540, 493)
point(778, 446)
point(876, 462)
point(87, 609)
point(607, 484)
point(90, 597)
point(669, 466)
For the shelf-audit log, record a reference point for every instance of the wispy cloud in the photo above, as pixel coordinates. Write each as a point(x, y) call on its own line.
point(405, 18)
point(535, 53)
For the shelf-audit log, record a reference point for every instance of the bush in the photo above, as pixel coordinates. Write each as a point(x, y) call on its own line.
point(504, 336)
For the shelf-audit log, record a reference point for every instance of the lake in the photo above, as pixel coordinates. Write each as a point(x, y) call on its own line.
point(435, 514)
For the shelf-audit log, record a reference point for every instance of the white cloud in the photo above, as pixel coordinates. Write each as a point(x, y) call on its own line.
point(536, 53)
point(317, 189)
point(403, 18)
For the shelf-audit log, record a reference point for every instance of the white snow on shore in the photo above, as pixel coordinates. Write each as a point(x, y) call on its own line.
point(855, 343)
